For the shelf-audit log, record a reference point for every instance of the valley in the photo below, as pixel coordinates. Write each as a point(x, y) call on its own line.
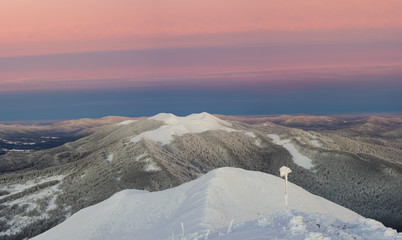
point(28, 137)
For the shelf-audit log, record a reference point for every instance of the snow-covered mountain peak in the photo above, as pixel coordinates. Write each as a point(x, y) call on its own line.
point(178, 126)
point(167, 118)
point(213, 201)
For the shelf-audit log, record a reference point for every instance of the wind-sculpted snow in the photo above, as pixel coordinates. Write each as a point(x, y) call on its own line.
point(298, 225)
point(178, 126)
point(210, 202)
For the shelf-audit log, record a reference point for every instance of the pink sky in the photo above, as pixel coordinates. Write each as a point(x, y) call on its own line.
point(46, 26)
point(182, 38)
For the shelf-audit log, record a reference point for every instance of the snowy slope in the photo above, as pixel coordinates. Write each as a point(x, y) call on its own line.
point(178, 126)
point(210, 204)
point(298, 158)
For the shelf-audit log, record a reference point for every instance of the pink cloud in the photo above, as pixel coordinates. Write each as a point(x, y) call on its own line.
point(106, 25)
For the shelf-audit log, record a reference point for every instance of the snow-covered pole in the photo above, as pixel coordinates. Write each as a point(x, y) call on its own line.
point(230, 226)
point(284, 171)
point(182, 229)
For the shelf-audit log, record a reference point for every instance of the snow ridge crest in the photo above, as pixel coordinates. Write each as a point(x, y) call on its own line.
point(215, 200)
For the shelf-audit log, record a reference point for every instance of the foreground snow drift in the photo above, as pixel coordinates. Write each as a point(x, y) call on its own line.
point(203, 206)
point(298, 225)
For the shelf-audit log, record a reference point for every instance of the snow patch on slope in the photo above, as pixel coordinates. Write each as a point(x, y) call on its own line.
point(178, 126)
point(152, 167)
point(315, 142)
point(208, 203)
point(126, 122)
point(257, 141)
point(298, 158)
point(251, 134)
point(138, 158)
point(15, 188)
point(109, 158)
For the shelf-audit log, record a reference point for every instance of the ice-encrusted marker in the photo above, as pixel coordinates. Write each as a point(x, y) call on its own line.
point(284, 171)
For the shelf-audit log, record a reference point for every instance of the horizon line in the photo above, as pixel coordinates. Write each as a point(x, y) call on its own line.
point(356, 115)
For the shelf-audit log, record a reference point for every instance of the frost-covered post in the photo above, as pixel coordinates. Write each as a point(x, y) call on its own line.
point(182, 229)
point(284, 171)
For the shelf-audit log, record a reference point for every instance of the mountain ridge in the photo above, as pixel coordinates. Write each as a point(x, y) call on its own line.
point(209, 203)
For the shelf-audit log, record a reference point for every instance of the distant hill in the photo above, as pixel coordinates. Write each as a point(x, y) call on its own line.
point(309, 122)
